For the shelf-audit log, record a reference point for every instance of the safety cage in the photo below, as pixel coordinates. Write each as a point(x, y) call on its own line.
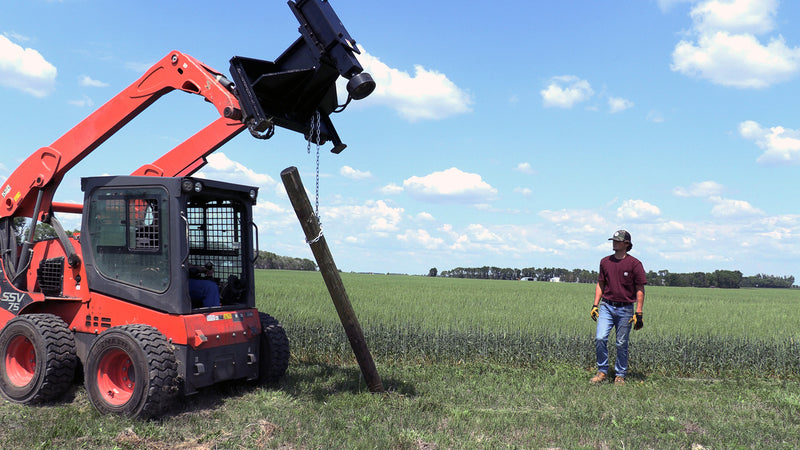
point(216, 234)
point(148, 238)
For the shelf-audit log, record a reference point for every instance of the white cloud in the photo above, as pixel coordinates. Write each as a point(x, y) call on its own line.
point(780, 145)
point(576, 220)
point(655, 117)
point(426, 95)
point(724, 207)
point(738, 16)
point(274, 218)
point(450, 185)
point(618, 104)
point(268, 208)
point(353, 174)
point(482, 234)
point(25, 69)
point(507, 242)
point(83, 102)
point(85, 80)
point(701, 189)
point(222, 168)
point(17, 37)
point(525, 167)
point(726, 50)
point(739, 61)
point(637, 210)
point(391, 189)
point(566, 91)
point(376, 216)
point(671, 226)
point(525, 192)
point(421, 237)
point(448, 229)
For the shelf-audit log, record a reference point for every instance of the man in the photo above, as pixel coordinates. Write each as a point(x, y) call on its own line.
point(203, 290)
point(620, 289)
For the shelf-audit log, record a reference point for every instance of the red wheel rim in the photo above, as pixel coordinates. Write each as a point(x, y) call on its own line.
point(116, 378)
point(20, 361)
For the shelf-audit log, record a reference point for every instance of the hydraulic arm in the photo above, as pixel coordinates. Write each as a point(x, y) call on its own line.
point(44, 169)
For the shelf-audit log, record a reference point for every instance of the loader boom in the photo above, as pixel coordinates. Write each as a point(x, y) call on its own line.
point(45, 168)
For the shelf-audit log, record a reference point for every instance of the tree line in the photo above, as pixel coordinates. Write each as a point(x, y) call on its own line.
point(269, 260)
point(728, 279)
point(768, 281)
point(529, 273)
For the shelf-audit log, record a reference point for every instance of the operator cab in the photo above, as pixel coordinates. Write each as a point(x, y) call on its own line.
point(143, 239)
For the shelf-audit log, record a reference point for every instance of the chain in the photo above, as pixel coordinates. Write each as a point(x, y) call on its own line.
point(314, 130)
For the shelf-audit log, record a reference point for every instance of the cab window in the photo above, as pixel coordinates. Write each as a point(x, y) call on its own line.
point(128, 231)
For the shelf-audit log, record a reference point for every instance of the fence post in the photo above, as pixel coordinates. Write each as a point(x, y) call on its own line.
point(308, 221)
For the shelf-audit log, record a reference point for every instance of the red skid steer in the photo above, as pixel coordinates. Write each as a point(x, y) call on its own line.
point(154, 297)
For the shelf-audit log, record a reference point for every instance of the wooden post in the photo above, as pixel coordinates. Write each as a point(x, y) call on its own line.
point(311, 228)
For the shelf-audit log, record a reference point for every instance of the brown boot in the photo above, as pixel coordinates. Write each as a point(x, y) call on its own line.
point(599, 378)
point(619, 381)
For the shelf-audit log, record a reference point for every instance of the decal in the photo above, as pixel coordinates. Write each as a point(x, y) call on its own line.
point(12, 300)
point(236, 317)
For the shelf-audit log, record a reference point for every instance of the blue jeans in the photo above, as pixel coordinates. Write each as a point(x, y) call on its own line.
point(613, 317)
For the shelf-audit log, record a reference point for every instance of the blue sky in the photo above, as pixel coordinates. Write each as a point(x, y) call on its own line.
point(511, 134)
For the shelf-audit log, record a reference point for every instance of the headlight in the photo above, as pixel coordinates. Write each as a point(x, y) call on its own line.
point(187, 185)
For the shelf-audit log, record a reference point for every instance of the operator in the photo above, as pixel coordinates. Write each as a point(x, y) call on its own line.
point(620, 288)
point(202, 289)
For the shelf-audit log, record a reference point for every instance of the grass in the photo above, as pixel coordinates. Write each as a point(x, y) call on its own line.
point(478, 406)
point(688, 331)
point(437, 303)
point(478, 364)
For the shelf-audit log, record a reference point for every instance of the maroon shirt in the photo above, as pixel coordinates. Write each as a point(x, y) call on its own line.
point(621, 276)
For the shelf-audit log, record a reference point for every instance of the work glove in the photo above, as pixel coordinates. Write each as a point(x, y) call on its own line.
point(637, 321)
point(595, 313)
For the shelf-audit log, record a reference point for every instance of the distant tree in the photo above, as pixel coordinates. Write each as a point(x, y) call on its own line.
point(433, 272)
point(22, 226)
point(762, 280)
point(698, 279)
point(729, 279)
point(269, 260)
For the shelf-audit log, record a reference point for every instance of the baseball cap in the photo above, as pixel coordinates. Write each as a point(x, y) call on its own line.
point(621, 235)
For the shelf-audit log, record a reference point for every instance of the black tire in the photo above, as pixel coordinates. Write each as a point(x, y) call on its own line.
point(274, 350)
point(37, 358)
point(131, 371)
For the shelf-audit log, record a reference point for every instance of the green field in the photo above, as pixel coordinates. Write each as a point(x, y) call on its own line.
point(688, 332)
point(479, 364)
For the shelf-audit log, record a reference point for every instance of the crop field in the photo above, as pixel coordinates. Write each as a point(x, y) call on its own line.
point(688, 332)
point(472, 364)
